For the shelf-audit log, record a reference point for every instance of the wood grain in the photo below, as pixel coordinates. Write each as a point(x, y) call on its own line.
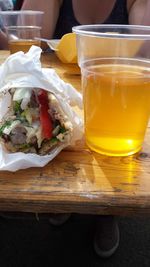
point(79, 180)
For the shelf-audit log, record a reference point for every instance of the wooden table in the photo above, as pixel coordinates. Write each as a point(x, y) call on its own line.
point(79, 180)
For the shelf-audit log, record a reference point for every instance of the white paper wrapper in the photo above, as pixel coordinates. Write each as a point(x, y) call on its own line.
point(24, 70)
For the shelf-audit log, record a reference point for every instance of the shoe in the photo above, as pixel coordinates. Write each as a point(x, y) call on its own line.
point(59, 219)
point(106, 239)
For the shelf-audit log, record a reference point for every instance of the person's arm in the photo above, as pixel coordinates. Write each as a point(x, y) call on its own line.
point(139, 13)
point(3, 40)
point(51, 12)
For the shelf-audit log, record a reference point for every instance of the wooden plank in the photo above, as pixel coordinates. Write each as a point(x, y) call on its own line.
point(77, 182)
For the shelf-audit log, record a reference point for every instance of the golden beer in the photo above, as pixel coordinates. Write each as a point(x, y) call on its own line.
point(116, 105)
point(22, 45)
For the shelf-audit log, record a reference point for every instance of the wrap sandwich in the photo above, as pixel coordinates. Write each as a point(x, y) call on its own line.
point(35, 122)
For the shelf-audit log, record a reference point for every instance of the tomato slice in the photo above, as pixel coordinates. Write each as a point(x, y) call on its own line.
point(45, 118)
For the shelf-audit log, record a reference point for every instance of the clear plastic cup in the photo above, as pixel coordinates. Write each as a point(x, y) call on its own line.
point(21, 38)
point(23, 28)
point(115, 69)
point(22, 18)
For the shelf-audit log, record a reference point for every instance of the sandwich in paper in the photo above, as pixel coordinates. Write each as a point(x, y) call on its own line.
point(35, 122)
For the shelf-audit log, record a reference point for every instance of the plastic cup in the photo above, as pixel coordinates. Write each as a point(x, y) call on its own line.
point(21, 38)
point(23, 28)
point(22, 18)
point(115, 69)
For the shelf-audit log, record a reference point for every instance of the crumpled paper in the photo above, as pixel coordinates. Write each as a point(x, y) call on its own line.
point(24, 70)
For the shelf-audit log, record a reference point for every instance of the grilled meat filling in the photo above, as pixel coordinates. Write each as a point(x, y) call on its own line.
point(36, 123)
